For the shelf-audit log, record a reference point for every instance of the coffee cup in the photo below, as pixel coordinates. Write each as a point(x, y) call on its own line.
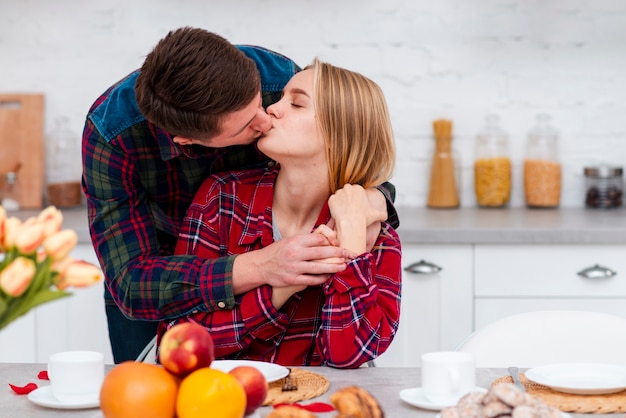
point(447, 376)
point(76, 376)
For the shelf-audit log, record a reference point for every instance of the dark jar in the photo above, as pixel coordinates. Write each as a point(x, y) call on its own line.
point(604, 187)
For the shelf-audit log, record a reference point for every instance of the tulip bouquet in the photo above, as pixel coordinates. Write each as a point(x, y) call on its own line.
point(35, 263)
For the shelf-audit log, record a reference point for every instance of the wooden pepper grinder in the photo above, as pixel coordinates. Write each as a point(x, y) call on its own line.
point(443, 191)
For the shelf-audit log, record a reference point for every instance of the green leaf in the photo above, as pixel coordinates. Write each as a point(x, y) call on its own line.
point(3, 306)
point(21, 306)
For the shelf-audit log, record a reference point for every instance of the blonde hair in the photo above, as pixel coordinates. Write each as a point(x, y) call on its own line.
point(352, 114)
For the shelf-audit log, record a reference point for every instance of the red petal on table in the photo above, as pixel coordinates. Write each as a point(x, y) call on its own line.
point(23, 390)
point(43, 375)
point(312, 407)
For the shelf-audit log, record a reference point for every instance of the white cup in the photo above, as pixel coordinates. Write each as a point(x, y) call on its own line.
point(76, 376)
point(447, 376)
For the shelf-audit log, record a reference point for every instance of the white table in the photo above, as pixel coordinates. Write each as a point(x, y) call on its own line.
point(384, 383)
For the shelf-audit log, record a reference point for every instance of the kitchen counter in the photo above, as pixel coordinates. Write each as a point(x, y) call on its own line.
point(470, 225)
point(73, 218)
point(512, 226)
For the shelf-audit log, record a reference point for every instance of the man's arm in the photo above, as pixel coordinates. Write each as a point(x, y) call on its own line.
point(144, 279)
point(389, 191)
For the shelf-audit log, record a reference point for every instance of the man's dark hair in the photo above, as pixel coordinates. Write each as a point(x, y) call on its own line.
point(191, 79)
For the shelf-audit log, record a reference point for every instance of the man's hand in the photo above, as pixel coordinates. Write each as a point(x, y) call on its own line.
point(301, 260)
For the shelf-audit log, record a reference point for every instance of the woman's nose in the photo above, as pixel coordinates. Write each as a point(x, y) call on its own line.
point(272, 110)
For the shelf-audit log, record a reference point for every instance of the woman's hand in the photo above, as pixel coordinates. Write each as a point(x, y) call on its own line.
point(352, 212)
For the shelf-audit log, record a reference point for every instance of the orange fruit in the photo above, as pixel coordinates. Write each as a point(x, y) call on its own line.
point(210, 393)
point(132, 390)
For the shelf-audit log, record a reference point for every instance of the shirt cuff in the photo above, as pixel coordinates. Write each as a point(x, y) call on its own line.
point(217, 285)
point(260, 316)
point(358, 273)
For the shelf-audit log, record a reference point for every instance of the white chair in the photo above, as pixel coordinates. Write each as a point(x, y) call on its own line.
point(148, 354)
point(545, 337)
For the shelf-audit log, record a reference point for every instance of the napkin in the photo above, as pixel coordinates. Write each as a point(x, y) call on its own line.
point(311, 407)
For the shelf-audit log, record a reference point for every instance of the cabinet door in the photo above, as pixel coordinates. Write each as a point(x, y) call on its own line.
point(490, 310)
point(548, 270)
point(512, 279)
point(17, 340)
point(436, 310)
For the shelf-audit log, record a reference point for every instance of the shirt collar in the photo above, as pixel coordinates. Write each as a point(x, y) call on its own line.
point(259, 220)
point(170, 149)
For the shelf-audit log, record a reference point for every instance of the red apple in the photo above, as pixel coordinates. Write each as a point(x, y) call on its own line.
point(186, 347)
point(254, 384)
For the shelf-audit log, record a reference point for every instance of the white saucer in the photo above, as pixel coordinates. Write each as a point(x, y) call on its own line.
point(43, 396)
point(415, 397)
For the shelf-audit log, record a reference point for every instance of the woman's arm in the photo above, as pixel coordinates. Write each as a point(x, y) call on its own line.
point(362, 310)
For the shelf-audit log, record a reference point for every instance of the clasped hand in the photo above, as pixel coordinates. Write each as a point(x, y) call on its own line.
point(311, 259)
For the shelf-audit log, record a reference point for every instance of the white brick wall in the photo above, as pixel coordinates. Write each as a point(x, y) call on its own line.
point(458, 59)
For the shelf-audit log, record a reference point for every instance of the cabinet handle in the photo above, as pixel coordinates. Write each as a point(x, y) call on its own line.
point(423, 267)
point(597, 272)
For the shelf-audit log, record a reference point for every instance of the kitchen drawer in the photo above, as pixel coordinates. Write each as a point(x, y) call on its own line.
point(487, 311)
point(547, 270)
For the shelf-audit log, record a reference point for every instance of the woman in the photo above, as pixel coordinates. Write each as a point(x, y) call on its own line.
point(331, 137)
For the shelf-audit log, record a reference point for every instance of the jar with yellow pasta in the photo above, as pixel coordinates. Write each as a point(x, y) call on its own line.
point(542, 168)
point(492, 166)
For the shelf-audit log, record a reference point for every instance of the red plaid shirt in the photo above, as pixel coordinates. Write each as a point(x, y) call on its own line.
point(347, 321)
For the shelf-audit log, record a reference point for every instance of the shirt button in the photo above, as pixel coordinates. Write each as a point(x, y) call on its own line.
point(271, 164)
point(221, 305)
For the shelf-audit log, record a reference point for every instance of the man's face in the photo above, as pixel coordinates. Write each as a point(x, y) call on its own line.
point(238, 128)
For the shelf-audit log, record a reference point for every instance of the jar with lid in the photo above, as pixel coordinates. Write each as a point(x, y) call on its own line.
point(603, 187)
point(542, 167)
point(492, 165)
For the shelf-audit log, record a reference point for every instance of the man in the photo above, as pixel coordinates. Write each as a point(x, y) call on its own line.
point(195, 107)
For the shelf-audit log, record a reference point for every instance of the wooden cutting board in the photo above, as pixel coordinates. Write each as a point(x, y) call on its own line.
point(21, 142)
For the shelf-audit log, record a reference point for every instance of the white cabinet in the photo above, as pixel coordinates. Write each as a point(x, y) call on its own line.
point(436, 309)
point(511, 279)
point(481, 283)
point(77, 322)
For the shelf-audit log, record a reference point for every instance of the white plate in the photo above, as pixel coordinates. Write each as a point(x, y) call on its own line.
point(563, 415)
point(43, 396)
point(580, 378)
point(271, 371)
point(415, 397)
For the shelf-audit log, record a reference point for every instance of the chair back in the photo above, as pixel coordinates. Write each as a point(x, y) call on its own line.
point(545, 337)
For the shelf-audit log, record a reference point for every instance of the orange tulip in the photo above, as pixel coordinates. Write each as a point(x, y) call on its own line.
point(60, 244)
point(16, 277)
point(11, 226)
point(76, 273)
point(29, 237)
point(52, 219)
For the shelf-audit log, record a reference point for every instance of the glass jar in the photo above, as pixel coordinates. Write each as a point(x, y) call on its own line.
point(10, 193)
point(542, 168)
point(444, 171)
point(492, 165)
point(63, 169)
point(603, 187)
